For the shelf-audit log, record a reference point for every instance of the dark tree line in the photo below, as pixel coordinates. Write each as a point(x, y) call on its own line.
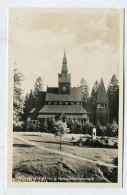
point(36, 97)
point(89, 102)
point(113, 96)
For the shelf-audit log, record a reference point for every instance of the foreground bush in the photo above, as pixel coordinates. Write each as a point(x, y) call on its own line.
point(87, 128)
point(20, 126)
point(74, 126)
point(96, 143)
point(112, 129)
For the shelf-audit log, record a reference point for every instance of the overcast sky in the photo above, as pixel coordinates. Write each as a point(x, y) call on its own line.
point(91, 40)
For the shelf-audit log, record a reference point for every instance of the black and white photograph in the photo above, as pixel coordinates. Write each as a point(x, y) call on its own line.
point(65, 100)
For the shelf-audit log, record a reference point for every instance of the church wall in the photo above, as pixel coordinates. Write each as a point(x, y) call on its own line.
point(64, 88)
point(102, 116)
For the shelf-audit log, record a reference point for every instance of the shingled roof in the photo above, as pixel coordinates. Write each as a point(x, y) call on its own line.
point(75, 95)
point(67, 109)
point(102, 97)
point(52, 90)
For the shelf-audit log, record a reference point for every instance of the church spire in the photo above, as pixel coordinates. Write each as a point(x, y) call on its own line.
point(102, 96)
point(64, 67)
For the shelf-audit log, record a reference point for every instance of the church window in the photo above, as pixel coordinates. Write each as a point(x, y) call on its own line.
point(55, 103)
point(78, 103)
point(49, 103)
point(72, 103)
point(66, 103)
point(64, 74)
point(60, 103)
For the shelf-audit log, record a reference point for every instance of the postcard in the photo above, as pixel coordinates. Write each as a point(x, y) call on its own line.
point(65, 98)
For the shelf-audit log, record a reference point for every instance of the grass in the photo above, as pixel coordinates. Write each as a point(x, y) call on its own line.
point(33, 164)
point(105, 155)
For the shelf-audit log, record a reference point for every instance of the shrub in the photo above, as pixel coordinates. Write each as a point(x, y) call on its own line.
point(96, 143)
point(78, 127)
point(73, 138)
point(71, 125)
point(51, 124)
point(34, 125)
point(19, 126)
point(93, 143)
point(45, 126)
point(100, 130)
point(115, 161)
point(112, 129)
point(87, 128)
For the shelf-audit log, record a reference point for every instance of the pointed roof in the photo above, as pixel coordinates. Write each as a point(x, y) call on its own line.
point(64, 67)
point(102, 96)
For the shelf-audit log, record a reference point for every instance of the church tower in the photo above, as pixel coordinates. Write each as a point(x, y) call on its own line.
point(102, 109)
point(64, 79)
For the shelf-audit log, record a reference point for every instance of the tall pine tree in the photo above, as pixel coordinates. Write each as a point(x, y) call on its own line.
point(29, 104)
point(17, 99)
point(94, 93)
point(92, 102)
point(38, 87)
point(113, 96)
point(34, 99)
point(85, 92)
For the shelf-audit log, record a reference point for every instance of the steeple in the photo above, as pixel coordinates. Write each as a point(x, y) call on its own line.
point(64, 67)
point(102, 110)
point(64, 79)
point(102, 97)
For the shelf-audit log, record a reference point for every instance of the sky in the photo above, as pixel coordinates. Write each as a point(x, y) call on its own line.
point(91, 40)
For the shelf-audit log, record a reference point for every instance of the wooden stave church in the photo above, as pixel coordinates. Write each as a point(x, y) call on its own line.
point(65, 102)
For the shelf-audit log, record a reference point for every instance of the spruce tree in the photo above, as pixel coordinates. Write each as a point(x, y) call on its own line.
point(92, 102)
point(29, 104)
point(85, 92)
point(38, 87)
point(94, 93)
point(113, 96)
point(34, 98)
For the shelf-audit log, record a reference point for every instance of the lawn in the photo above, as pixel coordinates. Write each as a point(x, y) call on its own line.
point(33, 164)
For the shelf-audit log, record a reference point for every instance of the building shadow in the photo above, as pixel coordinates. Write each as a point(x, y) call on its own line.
point(22, 146)
point(48, 142)
point(33, 135)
